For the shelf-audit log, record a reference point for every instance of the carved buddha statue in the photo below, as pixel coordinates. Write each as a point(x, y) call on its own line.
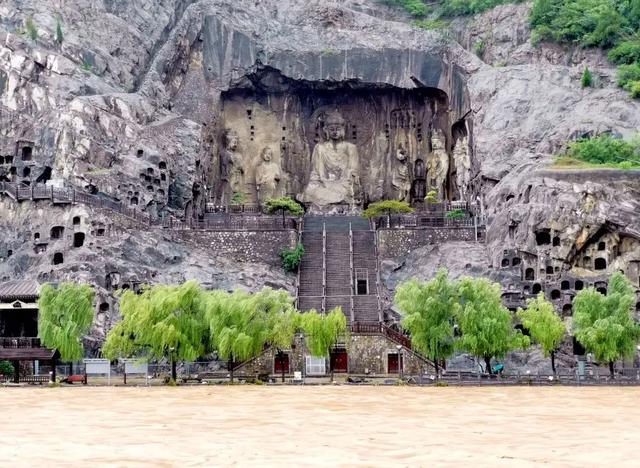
point(268, 175)
point(335, 168)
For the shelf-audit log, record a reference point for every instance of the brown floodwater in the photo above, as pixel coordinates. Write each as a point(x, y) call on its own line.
point(319, 426)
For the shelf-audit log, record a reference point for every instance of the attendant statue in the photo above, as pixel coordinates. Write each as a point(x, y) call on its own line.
point(462, 161)
point(268, 175)
point(335, 168)
point(438, 165)
point(231, 170)
point(400, 179)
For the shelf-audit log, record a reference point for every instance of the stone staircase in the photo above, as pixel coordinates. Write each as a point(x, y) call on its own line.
point(335, 248)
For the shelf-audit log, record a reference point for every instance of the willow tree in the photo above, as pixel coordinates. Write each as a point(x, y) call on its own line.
point(605, 325)
point(164, 322)
point(284, 321)
point(544, 325)
point(486, 326)
point(428, 309)
point(66, 315)
point(323, 332)
point(387, 207)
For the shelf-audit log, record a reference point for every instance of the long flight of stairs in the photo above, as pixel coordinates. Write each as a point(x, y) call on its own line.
point(336, 247)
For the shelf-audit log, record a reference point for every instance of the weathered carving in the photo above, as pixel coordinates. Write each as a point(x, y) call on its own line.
point(400, 179)
point(462, 162)
point(335, 167)
point(231, 169)
point(419, 187)
point(268, 175)
point(438, 166)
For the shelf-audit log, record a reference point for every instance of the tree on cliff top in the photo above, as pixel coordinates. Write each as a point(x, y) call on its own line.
point(66, 315)
point(544, 325)
point(387, 207)
point(428, 309)
point(485, 324)
point(284, 205)
point(605, 325)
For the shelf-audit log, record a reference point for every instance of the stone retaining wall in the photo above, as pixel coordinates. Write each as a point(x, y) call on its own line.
point(394, 243)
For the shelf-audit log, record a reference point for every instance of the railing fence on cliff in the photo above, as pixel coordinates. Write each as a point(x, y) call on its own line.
point(74, 196)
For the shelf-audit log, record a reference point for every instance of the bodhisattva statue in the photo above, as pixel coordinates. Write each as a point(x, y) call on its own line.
point(231, 170)
point(462, 161)
point(268, 175)
point(438, 165)
point(335, 168)
point(400, 179)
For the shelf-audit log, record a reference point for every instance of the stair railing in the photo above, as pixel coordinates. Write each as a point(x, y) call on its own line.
point(351, 299)
point(324, 266)
point(300, 229)
point(378, 283)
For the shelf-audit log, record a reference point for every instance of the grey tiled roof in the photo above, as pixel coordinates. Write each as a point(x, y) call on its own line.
point(19, 289)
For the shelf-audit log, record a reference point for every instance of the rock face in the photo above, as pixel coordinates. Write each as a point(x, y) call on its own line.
point(167, 105)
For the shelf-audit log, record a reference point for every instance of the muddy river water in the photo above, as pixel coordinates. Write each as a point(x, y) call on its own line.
point(319, 426)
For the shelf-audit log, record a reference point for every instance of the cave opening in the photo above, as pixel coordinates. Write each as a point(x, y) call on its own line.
point(555, 294)
point(567, 310)
point(58, 258)
point(600, 264)
point(388, 130)
point(78, 239)
point(565, 285)
point(27, 153)
point(579, 285)
point(44, 176)
point(56, 232)
point(556, 241)
point(529, 274)
point(76, 220)
point(536, 288)
point(543, 237)
point(516, 261)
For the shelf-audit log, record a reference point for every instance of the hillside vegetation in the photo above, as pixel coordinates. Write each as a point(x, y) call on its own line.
point(610, 24)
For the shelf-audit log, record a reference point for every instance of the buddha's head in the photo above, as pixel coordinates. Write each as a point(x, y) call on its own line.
point(334, 126)
point(401, 153)
point(231, 140)
point(267, 154)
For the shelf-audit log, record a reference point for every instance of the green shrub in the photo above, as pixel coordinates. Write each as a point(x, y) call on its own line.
point(431, 24)
point(605, 149)
point(31, 28)
point(587, 78)
point(432, 197)
point(59, 36)
point(456, 214)
point(627, 74)
point(479, 48)
point(626, 52)
point(634, 89)
point(587, 22)
point(291, 258)
point(6, 368)
point(239, 198)
point(416, 8)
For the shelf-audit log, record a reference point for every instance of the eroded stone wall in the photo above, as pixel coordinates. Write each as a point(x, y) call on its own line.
point(396, 243)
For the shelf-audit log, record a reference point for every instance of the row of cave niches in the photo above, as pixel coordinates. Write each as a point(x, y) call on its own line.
point(21, 167)
point(154, 181)
point(57, 233)
point(558, 288)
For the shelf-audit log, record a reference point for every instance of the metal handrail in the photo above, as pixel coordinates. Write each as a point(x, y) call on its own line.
point(352, 314)
point(324, 266)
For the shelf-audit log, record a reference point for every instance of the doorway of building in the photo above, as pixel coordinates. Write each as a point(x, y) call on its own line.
point(339, 361)
point(392, 363)
point(281, 364)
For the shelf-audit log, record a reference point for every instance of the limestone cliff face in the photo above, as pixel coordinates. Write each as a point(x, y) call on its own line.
point(135, 103)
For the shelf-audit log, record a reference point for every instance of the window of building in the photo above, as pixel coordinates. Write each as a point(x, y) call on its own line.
point(315, 365)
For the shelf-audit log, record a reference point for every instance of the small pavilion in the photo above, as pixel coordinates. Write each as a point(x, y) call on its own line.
point(19, 326)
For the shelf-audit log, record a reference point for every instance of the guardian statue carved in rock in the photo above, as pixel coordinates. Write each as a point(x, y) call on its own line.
point(462, 161)
point(231, 169)
point(400, 179)
point(335, 168)
point(268, 175)
point(438, 166)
